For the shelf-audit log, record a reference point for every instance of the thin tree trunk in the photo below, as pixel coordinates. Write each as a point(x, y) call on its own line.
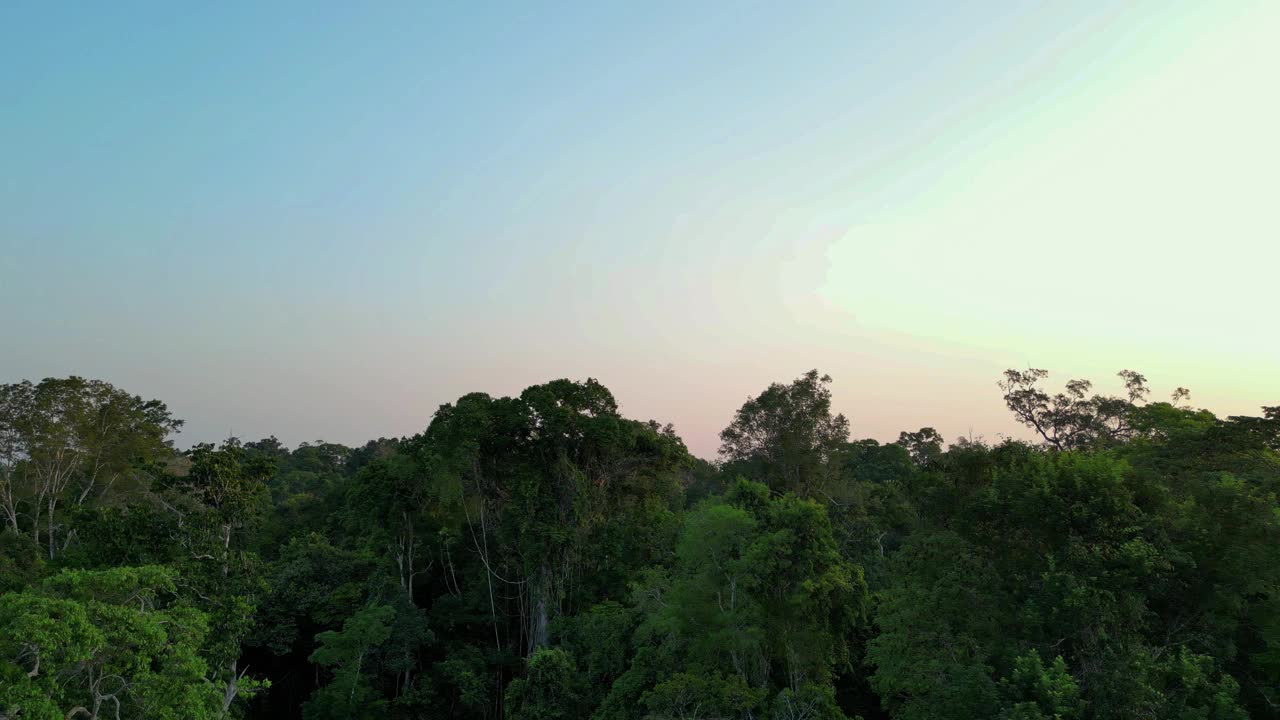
point(11, 513)
point(35, 522)
point(226, 549)
point(53, 546)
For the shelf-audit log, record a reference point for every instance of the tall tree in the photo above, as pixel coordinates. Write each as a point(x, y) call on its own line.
point(787, 436)
point(534, 478)
point(1073, 419)
point(70, 439)
point(220, 498)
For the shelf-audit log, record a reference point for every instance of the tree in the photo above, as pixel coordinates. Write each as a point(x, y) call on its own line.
point(599, 639)
point(219, 498)
point(103, 644)
point(548, 691)
point(1073, 419)
point(759, 594)
point(787, 436)
point(72, 439)
point(808, 702)
point(546, 491)
point(349, 694)
point(15, 402)
point(690, 696)
point(1036, 692)
point(229, 486)
point(389, 503)
point(316, 584)
point(925, 445)
point(20, 563)
point(938, 621)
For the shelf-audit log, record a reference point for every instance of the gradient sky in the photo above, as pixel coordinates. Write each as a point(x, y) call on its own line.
point(322, 220)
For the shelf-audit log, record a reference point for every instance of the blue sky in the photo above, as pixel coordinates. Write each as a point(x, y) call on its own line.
point(323, 219)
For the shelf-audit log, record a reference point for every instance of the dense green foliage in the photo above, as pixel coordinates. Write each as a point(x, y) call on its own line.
point(543, 557)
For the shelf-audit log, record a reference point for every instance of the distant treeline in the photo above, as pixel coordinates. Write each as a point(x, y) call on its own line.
point(543, 557)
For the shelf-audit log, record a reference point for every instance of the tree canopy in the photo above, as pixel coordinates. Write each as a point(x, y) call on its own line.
point(543, 556)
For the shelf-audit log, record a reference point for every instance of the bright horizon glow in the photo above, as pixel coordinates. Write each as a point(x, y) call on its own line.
point(325, 221)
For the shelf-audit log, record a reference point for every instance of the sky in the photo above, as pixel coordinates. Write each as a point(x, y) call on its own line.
point(322, 220)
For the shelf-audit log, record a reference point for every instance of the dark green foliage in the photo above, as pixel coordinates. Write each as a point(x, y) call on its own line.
point(1035, 691)
point(350, 694)
point(549, 690)
point(808, 702)
point(787, 437)
point(20, 561)
point(699, 695)
point(600, 639)
point(544, 557)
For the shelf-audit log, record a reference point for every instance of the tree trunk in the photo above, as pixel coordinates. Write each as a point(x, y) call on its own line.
point(539, 620)
point(35, 523)
point(11, 514)
point(53, 546)
point(8, 499)
point(226, 549)
point(232, 690)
